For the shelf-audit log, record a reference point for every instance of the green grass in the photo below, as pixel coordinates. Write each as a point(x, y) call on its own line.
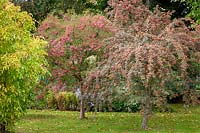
point(46, 121)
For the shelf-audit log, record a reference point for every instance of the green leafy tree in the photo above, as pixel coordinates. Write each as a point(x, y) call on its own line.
point(22, 61)
point(41, 8)
point(38, 8)
point(194, 9)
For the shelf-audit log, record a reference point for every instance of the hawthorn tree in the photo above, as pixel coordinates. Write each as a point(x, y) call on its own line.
point(148, 50)
point(22, 57)
point(75, 45)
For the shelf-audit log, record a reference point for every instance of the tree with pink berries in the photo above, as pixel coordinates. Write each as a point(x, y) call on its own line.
point(75, 45)
point(148, 49)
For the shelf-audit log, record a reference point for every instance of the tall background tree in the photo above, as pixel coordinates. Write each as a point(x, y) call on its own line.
point(41, 8)
point(22, 62)
point(194, 6)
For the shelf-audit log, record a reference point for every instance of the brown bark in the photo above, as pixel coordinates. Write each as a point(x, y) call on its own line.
point(100, 106)
point(147, 109)
point(96, 102)
point(2, 128)
point(110, 105)
point(82, 109)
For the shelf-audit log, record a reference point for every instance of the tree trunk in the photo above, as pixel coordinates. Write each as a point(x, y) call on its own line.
point(100, 106)
point(147, 109)
point(2, 128)
point(82, 109)
point(110, 104)
point(96, 102)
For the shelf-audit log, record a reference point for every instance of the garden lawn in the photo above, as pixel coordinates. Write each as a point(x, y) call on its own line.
point(47, 121)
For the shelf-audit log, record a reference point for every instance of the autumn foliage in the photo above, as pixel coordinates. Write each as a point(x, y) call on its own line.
point(150, 47)
point(75, 45)
point(73, 42)
point(148, 50)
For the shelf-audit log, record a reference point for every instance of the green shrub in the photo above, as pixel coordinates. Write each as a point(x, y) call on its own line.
point(66, 101)
point(38, 104)
point(72, 100)
point(133, 106)
point(125, 106)
point(51, 100)
point(119, 106)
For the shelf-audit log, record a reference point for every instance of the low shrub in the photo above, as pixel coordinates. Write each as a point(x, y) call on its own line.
point(125, 106)
point(51, 100)
point(38, 101)
point(66, 101)
point(38, 104)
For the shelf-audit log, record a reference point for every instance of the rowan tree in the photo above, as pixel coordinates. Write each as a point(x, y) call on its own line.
point(148, 50)
point(22, 61)
point(75, 45)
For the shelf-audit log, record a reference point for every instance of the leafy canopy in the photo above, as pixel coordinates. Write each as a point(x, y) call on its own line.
point(148, 49)
point(194, 9)
point(75, 45)
point(22, 57)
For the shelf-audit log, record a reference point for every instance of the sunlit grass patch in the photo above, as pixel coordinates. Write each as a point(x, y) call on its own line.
point(47, 121)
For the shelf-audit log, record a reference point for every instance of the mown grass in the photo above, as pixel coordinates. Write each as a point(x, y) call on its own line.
point(47, 121)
